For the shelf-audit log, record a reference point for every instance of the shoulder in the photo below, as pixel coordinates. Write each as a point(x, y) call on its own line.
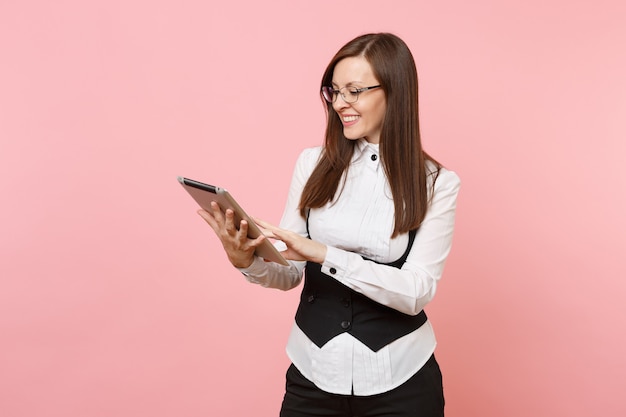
point(312, 153)
point(306, 163)
point(444, 178)
point(309, 157)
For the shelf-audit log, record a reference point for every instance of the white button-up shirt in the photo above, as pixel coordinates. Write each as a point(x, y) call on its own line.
point(359, 223)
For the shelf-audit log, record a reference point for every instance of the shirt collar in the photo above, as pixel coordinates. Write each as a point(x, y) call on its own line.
point(364, 147)
point(366, 155)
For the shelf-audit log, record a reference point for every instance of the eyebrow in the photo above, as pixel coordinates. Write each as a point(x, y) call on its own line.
point(350, 84)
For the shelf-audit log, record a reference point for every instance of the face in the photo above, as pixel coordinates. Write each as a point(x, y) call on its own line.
point(363, 119)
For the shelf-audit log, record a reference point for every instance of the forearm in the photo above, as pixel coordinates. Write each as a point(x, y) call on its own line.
point(405, 290)
point(411, 287)
point(273, 275)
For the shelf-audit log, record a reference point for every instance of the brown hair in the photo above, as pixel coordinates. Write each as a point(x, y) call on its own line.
point(402, 157)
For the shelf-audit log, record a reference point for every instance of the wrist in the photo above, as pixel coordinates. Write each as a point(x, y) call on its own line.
point(322, 254)
point(242, 263)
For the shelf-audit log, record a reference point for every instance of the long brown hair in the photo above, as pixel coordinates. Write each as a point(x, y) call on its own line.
point(402, 156)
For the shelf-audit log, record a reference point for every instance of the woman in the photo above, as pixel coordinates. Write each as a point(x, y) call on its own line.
point(369, 219)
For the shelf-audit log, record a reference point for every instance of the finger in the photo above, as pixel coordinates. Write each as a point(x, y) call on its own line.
point(281, 234)
point(209, 219)
point(256, 242)
point(268, 229)
point(264, 224)
point(267, 232)
point(229, 222)
point(243, 230)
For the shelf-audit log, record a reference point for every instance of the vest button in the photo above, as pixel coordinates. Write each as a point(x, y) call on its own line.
point(311, 298)
point(345, 324)
point(332, 271)
point(345, 302)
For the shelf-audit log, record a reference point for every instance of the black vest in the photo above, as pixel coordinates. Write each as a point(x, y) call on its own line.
point(328, 308)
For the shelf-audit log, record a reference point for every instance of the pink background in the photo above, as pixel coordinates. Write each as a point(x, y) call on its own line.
point(116, 299)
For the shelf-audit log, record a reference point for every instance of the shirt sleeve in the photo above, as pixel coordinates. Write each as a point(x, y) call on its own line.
point(271, 274)
point(411, 287)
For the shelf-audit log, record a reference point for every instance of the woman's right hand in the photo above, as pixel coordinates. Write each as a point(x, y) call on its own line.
point(239, 248)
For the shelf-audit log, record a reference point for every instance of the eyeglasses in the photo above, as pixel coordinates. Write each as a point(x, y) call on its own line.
point(349, 94)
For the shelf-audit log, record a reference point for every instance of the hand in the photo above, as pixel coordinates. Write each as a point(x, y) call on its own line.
point(299, 248)
point(239, 248)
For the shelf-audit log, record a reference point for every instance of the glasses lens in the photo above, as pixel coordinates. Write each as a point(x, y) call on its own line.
point(350, 95)
point(327, 92)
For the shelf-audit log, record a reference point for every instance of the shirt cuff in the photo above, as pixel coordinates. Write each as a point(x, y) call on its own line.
point(335, 262)
point(256, 268)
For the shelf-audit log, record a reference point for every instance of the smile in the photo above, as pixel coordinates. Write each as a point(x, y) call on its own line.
point(348, 119)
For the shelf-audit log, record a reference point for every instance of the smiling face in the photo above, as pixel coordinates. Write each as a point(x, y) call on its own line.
point(363, 119)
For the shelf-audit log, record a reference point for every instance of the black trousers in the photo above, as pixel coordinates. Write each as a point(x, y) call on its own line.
point(420, 396)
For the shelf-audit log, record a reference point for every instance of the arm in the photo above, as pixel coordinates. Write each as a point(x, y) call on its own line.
point(240, 251)
point(410, 288)
point(272, 275)
point(407, 289)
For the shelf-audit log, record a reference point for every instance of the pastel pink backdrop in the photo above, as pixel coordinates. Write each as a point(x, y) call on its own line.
point(116, 299)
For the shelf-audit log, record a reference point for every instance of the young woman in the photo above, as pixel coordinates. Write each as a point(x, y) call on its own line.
point(369, 219)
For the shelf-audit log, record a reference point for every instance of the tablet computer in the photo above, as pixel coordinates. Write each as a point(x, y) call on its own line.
point(205, 193)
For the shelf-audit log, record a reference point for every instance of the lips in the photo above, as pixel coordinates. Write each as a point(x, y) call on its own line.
point(351, 119)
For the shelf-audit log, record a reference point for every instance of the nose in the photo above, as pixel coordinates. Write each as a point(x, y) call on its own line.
point(340, 103)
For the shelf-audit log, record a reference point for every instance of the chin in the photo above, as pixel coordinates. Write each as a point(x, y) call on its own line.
point(351, 136)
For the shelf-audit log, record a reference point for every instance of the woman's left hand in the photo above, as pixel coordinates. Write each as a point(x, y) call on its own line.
point(299, 248)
